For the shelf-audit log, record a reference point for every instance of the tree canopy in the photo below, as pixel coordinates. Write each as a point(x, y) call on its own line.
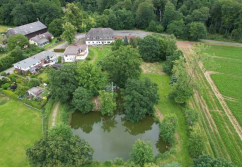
point(121, 65)
point(60, 148)
point(142, 152)
point(17, 40)
point(139, 96)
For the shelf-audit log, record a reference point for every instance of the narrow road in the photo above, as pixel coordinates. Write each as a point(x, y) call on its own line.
point(55, 114)
point(221, 42)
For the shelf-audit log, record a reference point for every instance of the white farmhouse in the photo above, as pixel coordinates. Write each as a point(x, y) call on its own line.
point(100, 36)
point(75, 52)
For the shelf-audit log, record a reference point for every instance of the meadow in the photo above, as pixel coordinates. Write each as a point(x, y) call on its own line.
point(20, 127)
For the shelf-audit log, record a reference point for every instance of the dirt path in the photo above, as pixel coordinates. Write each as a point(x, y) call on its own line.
point(186, 48)
point(223, 103)
point(54, 114)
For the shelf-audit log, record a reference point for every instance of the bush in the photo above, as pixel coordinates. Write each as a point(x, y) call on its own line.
point(59, 50)
point(59, 59)
point(33, 82)
point(108, 163)
point(3, 74)
point(142, 152)
point(168, 128)
point(10, 94)
point(5, 86)
point(118, 161)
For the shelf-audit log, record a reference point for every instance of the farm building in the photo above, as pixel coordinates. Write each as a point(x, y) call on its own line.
point(41, 39)
point(36, 92)
point(75, 52)
point(29, 30)
point(100, 36)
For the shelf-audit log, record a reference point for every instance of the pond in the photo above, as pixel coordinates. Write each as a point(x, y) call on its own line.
point(112, 137)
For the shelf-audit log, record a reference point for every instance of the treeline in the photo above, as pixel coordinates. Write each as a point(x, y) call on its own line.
point(189, 19)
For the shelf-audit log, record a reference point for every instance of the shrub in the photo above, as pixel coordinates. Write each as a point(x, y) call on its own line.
point(5, 86)
point(168, 128)
point(33, 82)
point(59, 50)
point(118, 161)
point(142, 152)
point(59, 59)
point(3, 74)
point(10, 94)
point(196, 142)
point(108, 163)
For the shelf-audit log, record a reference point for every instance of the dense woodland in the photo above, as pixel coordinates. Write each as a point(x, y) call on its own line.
point(190, 19)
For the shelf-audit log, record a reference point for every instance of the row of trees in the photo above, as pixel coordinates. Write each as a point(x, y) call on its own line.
point(185, 19)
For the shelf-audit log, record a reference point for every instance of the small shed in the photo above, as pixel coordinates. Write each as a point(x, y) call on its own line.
point(36, 92)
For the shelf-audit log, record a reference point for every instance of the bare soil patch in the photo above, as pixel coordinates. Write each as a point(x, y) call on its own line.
point(152, 68)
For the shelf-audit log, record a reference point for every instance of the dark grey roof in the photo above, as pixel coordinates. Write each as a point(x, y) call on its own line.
point(43, 55)
point(75, 49)
point(26, 29)
point(42, 38)
point(27, 63)
point(100, 34)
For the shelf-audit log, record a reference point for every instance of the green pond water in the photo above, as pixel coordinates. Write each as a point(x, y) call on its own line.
point(112, 137)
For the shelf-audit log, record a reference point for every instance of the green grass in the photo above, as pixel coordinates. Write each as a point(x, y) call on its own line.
point(228, 85)
point(20, 126)
point(236, 109)
point(166, 106)
point(4, 28)
point(225, 51)
point(99, 53)
point(227, 66)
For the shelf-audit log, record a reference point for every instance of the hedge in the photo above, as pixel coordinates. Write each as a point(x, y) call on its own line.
point(10, 94)
point(59, 50)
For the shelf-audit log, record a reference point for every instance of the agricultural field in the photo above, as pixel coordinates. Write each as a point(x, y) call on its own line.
point(20, 127)
point(219, 124)
point(228, 78)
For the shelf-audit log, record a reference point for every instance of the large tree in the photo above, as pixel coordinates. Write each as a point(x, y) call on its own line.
point(91, 77)
point(108, 103)
point(197, 31)
point(149, 49)
point(121, 65)
point(82, 100)
point(74, 16)
point(17, 40)
point(177, 28)
point(60, 148)
point(16, 54)
point(168, 128)
point(69, 32)
point(182, 82)
point(139, 96)
point(142, 152)
point(144, 14)
point(56, 27)
point(196, 142)
point(63, 82)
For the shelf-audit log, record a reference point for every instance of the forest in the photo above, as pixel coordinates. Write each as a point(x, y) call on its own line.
point(187, 19)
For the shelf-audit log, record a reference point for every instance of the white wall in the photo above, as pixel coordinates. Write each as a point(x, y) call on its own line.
point(99, 42)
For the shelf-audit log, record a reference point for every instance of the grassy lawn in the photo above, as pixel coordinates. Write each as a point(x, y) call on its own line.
point(99, 53)
point(20, 126)
point(4, 28)
point(166, 106)
point(43, 75)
